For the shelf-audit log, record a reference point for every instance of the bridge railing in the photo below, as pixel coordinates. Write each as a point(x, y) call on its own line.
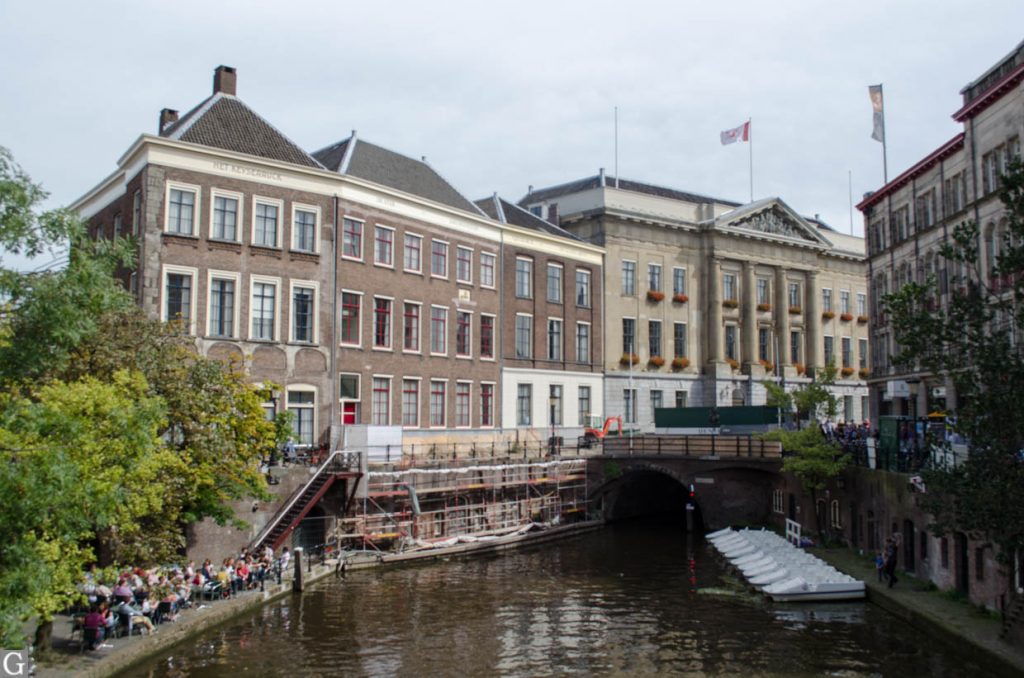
point(731, 446)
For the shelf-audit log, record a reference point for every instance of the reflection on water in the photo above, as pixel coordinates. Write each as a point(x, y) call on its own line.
point(631, 599)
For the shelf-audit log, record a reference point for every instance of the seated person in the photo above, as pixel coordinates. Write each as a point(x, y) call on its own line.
point(135, 616)
point(93, 627)
point(123, 593)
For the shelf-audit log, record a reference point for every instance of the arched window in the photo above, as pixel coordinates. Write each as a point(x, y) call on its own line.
point(991, 248)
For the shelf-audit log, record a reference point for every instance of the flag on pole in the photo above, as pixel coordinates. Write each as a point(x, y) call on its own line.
point(741, 133)
point(878, 133)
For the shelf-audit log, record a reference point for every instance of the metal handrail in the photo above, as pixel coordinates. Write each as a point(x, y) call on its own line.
point(348, 460)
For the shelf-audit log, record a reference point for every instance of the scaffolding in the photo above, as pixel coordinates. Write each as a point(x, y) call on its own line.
point(407, 506)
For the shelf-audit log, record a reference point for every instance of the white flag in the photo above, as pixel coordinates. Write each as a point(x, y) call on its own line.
point(741, 133)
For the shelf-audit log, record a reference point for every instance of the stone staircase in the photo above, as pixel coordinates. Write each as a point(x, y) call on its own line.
point(1013, 616)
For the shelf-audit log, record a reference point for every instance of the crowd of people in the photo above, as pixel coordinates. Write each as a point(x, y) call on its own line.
point(137, 598)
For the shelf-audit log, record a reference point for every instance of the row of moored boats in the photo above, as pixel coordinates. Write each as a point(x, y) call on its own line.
point(781, 570)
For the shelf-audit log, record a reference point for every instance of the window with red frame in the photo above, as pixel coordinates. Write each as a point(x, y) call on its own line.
point(350, 318)
point(462, 334)
point(486, 336)
point(382, 323)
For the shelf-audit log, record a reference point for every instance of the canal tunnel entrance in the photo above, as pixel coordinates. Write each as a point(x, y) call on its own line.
point(651, 494)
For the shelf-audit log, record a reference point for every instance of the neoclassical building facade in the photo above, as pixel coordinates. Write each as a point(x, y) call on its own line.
point(706, 299)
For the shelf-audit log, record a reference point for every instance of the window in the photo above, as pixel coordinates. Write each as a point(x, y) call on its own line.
point(846, 346)
point(384, 246)
point(464, 264)
point(862, 305)
point(524, 336)
point(462, 404)
point(438, 390)
point(657, 401)
point(304, 220)
point(352, 239)
point(944, 552)
point(678, 281)
point(628, 336)
point(555, 405)
point(729, 287)
point(582, 343)
point(826, 300)
point(381, 323)
point(763, 344)
point(679, 340)
point(303, 314)
point(224, 223)
point(794, 295)
point(350, 302)
point(411, 403)
point(836, 517)
point(524, 404)
point(439, 258)
point(302, 406)
point(265, 222)
point(583, 401)
point(654, 277)
point(411, 328)
point(730, 342)
point(486, 336)
point(348, 387)
point(554, 339)
point(763, 291)
point(979, 563)
point(178, 290)
point(829, 350)
point(583, 288)
point(555, 283)
point(136, 212)
point(778, 506)
point(844, 301)
point(524, 278)
point(629, 278)
point(380, 403)
point(955, 193)
point(794, 347)
point(181, 209)
point(463, 334)
point(486, 405)
point(487, 269)
point(862, 353)
point(263, 310)
point(654, 338)
point(222, 307)
point(412, 255)
point(681, 398)
point(438, 330)
point(629, 398)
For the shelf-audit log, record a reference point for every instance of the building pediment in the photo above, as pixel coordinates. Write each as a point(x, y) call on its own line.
point(771, 219)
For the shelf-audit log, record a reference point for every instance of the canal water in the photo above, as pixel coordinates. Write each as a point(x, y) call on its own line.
point(631, 599)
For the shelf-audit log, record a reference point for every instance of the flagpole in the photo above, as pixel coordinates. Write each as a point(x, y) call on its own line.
point(750, 134)
point(885, 152)
point(616, 147)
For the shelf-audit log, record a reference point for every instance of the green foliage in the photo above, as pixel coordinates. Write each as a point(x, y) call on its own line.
point(974, 342)
point(812, 459)
point(811, 400)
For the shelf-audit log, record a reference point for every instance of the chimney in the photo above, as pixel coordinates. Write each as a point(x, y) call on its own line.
point(553, 213)
point(224, 80)
point(168, 117)
point(600, 173)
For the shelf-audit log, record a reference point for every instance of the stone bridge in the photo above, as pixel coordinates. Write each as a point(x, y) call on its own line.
point(732, 478)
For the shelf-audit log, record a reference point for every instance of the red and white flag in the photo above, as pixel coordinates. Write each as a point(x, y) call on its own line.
point(741, 133)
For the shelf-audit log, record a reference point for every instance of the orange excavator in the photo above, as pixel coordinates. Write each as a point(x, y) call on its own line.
point(592, 434)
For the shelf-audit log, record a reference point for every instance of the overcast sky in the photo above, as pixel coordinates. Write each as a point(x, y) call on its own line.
point(500, 95)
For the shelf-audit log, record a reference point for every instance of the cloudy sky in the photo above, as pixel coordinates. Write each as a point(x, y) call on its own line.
point(500, 95)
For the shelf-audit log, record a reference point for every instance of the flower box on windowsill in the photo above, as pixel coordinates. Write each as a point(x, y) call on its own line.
point(627, 359)
point(680, 363)
point(846, 317)
point(800, 369)
point(847, 372)
point(733, 363)
point(656, 361)
point(864, 373)
point(828, 315)
point(767, 365)
point(764, 307)
point(680, 298)
point(655, 295)
point(730, 303)
point(794, 310)
point(862, 320)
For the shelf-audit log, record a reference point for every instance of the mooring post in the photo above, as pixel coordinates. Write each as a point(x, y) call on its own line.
point(297, 580)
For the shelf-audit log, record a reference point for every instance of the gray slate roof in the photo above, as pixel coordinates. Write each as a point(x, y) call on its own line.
point(382, 166)
point(223, 121)
point(624, 184)
point(506, 212)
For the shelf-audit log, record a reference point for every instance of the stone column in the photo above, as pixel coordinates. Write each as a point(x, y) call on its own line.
point(782, 317)
point(812, 319)
point(748, 316)
point(714, 316)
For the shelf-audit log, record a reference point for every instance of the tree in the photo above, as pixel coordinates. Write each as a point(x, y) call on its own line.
point(813, 460)
point(974, 342)
point(811, 400)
